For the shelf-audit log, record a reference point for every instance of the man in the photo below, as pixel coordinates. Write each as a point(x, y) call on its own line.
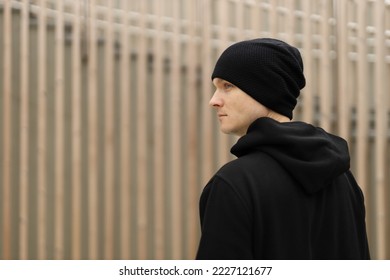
point(289, 194)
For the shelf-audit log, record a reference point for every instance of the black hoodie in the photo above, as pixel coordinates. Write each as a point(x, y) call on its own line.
point(288, 195)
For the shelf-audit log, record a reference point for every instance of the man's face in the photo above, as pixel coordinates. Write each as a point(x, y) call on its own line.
point(236, 110)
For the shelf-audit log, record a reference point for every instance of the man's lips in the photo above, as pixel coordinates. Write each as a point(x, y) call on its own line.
point(222, 115)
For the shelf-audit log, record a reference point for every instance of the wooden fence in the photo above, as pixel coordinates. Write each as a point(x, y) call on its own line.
point(106, 137)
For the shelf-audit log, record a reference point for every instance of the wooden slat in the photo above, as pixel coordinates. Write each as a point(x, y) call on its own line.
point(24, 136)
point(325, 68)
point(307, 92)
point(109, 135)
point(362, 101)
point(176, 143)
point(239, 8)
point(207, 129)
point(92, 137)
point(342, 60)
point(256, 18)
point(59, 132)
point(159, 129)
point(125, 161)
point(42, 127)
point(7, 128)
point(290, 23)
point(273, 13)
point(192, 144)
point(76, 133)
point(381, 121)
point(142, 138)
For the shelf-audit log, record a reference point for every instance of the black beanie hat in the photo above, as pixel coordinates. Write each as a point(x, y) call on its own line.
point(269, 70)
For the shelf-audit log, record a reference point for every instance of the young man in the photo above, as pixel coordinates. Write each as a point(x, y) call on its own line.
point(289, 194)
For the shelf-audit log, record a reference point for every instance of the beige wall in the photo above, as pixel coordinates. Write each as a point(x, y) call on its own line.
point(106, 138)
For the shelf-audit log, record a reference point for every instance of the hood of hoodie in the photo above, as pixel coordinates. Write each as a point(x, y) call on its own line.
point(309, 154)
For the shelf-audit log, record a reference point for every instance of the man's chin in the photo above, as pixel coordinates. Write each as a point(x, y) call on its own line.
point(225, 130)
point(229, 132)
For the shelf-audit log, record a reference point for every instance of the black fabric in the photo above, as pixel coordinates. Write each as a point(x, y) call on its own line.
point(269, 70)
point(288, 195)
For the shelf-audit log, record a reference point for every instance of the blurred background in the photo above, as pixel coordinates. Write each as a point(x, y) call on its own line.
point(106, 136)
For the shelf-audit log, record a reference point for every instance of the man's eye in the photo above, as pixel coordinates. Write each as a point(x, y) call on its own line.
point(227, 86)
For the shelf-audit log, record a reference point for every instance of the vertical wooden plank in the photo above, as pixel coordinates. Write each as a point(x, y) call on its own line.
point(362, 107)
point(42, 126)
point(59, 132)
point(76, 132)
point(24, 137)
point(92, 137)
point(159, 129)
point(273, 12)
point(240, 22)
point(307, 59)
point(290, 22)
point(175, 116)
point(125, 133)
point(207, 129)
point(193, 172)
point(7, 118)
point(256, 20)
point(381, 121)
point(325, 68)
point(109, 135)
point(142, 138)
point(343, 107)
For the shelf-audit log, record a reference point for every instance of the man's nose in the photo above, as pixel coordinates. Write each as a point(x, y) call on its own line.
point(216, 100)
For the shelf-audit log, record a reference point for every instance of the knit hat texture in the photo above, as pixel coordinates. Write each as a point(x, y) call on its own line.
point(269, 70)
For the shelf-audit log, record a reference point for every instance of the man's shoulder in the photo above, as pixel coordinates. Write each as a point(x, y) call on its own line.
point(252, 170)
point(253, 162)
point(254, 173)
